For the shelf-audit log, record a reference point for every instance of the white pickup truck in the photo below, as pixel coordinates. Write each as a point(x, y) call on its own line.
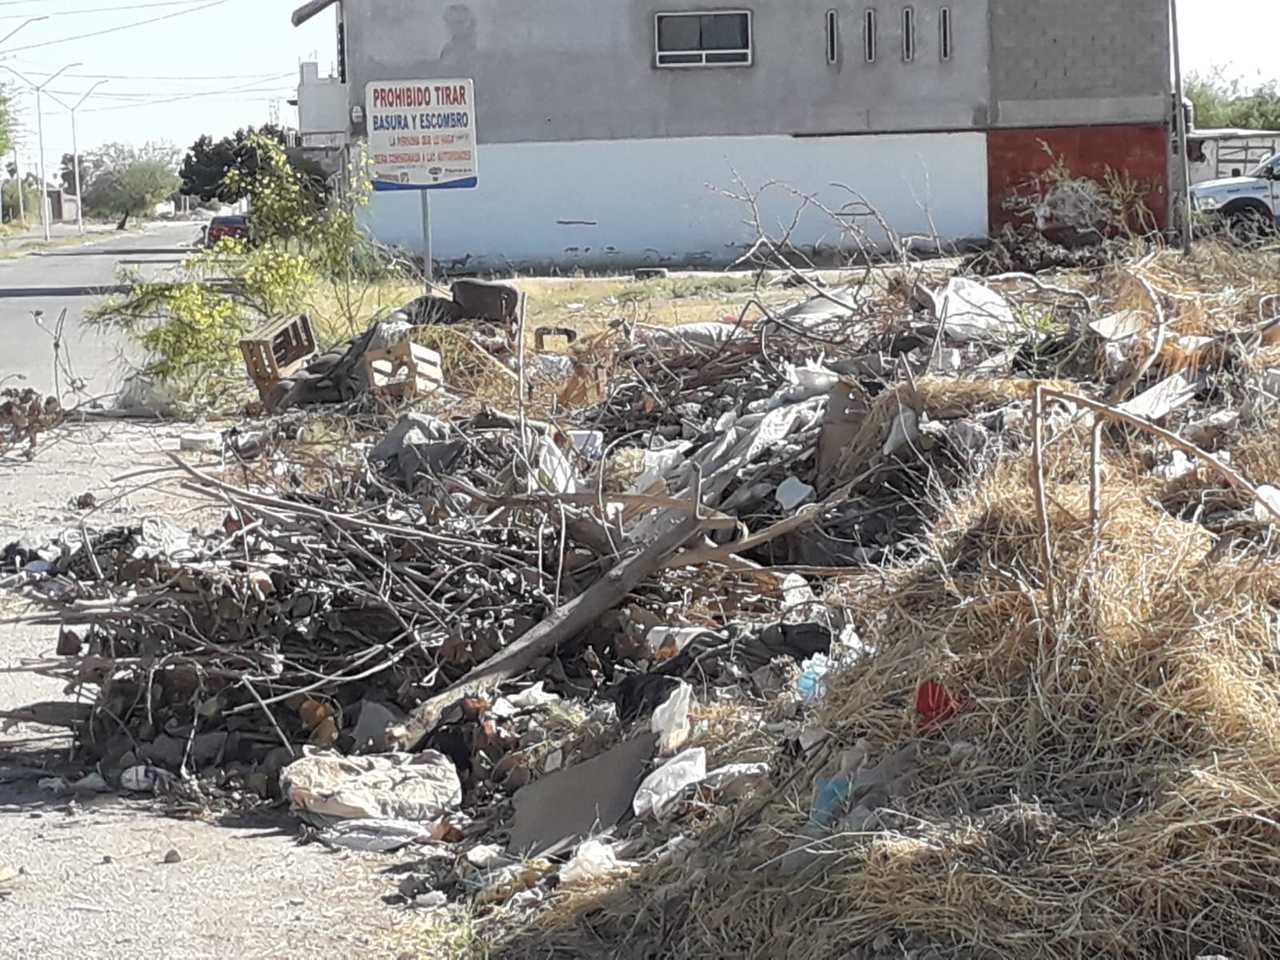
point(1250, 203)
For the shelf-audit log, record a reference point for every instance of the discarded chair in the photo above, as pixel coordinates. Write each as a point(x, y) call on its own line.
point(276, 351)
point(403, 371)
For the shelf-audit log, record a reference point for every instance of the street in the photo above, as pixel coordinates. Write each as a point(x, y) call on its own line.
point(77, 279)
point(94, 880)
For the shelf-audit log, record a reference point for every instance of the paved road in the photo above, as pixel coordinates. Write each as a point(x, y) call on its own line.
point(78, 278)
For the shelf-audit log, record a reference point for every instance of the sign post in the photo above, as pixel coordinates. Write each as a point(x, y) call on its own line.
point(422, 136)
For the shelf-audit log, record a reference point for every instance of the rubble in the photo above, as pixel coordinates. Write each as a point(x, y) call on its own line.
point(932, 603)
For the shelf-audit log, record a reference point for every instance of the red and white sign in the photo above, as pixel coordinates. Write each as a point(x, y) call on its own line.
point(422, 134)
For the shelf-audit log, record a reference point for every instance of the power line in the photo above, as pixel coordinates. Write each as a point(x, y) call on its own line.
point(137, 76)
point(131, 6)
point(113, 95)
point(117, 29)
point(144, 100)
point(241, 89)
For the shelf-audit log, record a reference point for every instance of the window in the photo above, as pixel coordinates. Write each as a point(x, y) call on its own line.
point(721, 39)
point(908, 34)
point(944, 33)
point(869, 38)
point(342, 52)
point(833, 37)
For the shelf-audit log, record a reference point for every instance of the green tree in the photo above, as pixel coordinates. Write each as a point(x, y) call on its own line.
point(223, 170)
point(69, 173)
point(284, 205)
point(30, 200)
point(130, 189)
point(1222, 101)
point(6, 123)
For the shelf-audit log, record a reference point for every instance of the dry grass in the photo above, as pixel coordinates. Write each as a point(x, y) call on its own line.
point(591, 306)
point(1110, 787)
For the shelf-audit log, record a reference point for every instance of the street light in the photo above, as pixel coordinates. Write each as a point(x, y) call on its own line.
point(20, 26)
point(38, 88)
point(75, 151)
point(22, 216)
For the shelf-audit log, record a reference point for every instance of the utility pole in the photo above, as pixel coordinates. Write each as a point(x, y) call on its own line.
point(17, 176)
point(75, 156)
point(39, 88)
point(1181, 126)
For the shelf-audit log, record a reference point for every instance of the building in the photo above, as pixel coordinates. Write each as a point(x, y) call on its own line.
point(322, 117)
point(621, 132)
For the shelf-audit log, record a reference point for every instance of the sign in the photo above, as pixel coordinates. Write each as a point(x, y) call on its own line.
point(422, 134)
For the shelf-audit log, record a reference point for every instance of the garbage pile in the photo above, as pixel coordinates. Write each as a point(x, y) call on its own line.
point(925, 620)
point(24, 415)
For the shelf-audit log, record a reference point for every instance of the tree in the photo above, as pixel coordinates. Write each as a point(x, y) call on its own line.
point(69, 173)
point(131, 188)
point(124, 180)
point(6, 124)
point(1221, 101)
point(207, 165)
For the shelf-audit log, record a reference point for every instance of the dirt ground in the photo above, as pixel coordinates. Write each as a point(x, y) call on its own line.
point(93, 881)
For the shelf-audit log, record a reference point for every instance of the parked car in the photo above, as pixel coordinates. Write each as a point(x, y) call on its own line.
point(221, 228)
point(1249, 205)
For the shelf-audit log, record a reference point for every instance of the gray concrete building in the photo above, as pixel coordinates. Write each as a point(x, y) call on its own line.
point(617, 132)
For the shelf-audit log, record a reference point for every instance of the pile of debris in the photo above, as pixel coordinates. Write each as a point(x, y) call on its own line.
point(947, 610)
point(24, 415)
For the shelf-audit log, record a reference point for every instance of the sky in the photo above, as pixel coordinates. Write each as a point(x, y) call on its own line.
point(211, 66)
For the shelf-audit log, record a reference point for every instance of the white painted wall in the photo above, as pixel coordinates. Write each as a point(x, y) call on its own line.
point(601, 205)
point(322, 106)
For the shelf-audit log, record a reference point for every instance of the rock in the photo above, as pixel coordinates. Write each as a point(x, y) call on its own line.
point(173, 856)
point(486, 856)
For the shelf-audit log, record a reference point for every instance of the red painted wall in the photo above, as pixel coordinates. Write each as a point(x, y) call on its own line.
point(1016, 157)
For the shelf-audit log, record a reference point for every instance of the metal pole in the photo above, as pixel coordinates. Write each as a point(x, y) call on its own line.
point(44, 191)
point(427, 267)
point(25, 23)
point(75, 163)
point(17, 175)
point(1181, 126)
point(75, 157)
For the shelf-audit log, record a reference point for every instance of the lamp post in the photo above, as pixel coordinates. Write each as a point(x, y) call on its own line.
point(17, 175)
point(24, 23)
point(39, 88)
point(75, 155)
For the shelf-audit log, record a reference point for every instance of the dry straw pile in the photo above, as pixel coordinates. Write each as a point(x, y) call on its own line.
point(1102, 783)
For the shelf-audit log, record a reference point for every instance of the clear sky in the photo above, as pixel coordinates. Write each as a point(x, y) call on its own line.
point(211, 66)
